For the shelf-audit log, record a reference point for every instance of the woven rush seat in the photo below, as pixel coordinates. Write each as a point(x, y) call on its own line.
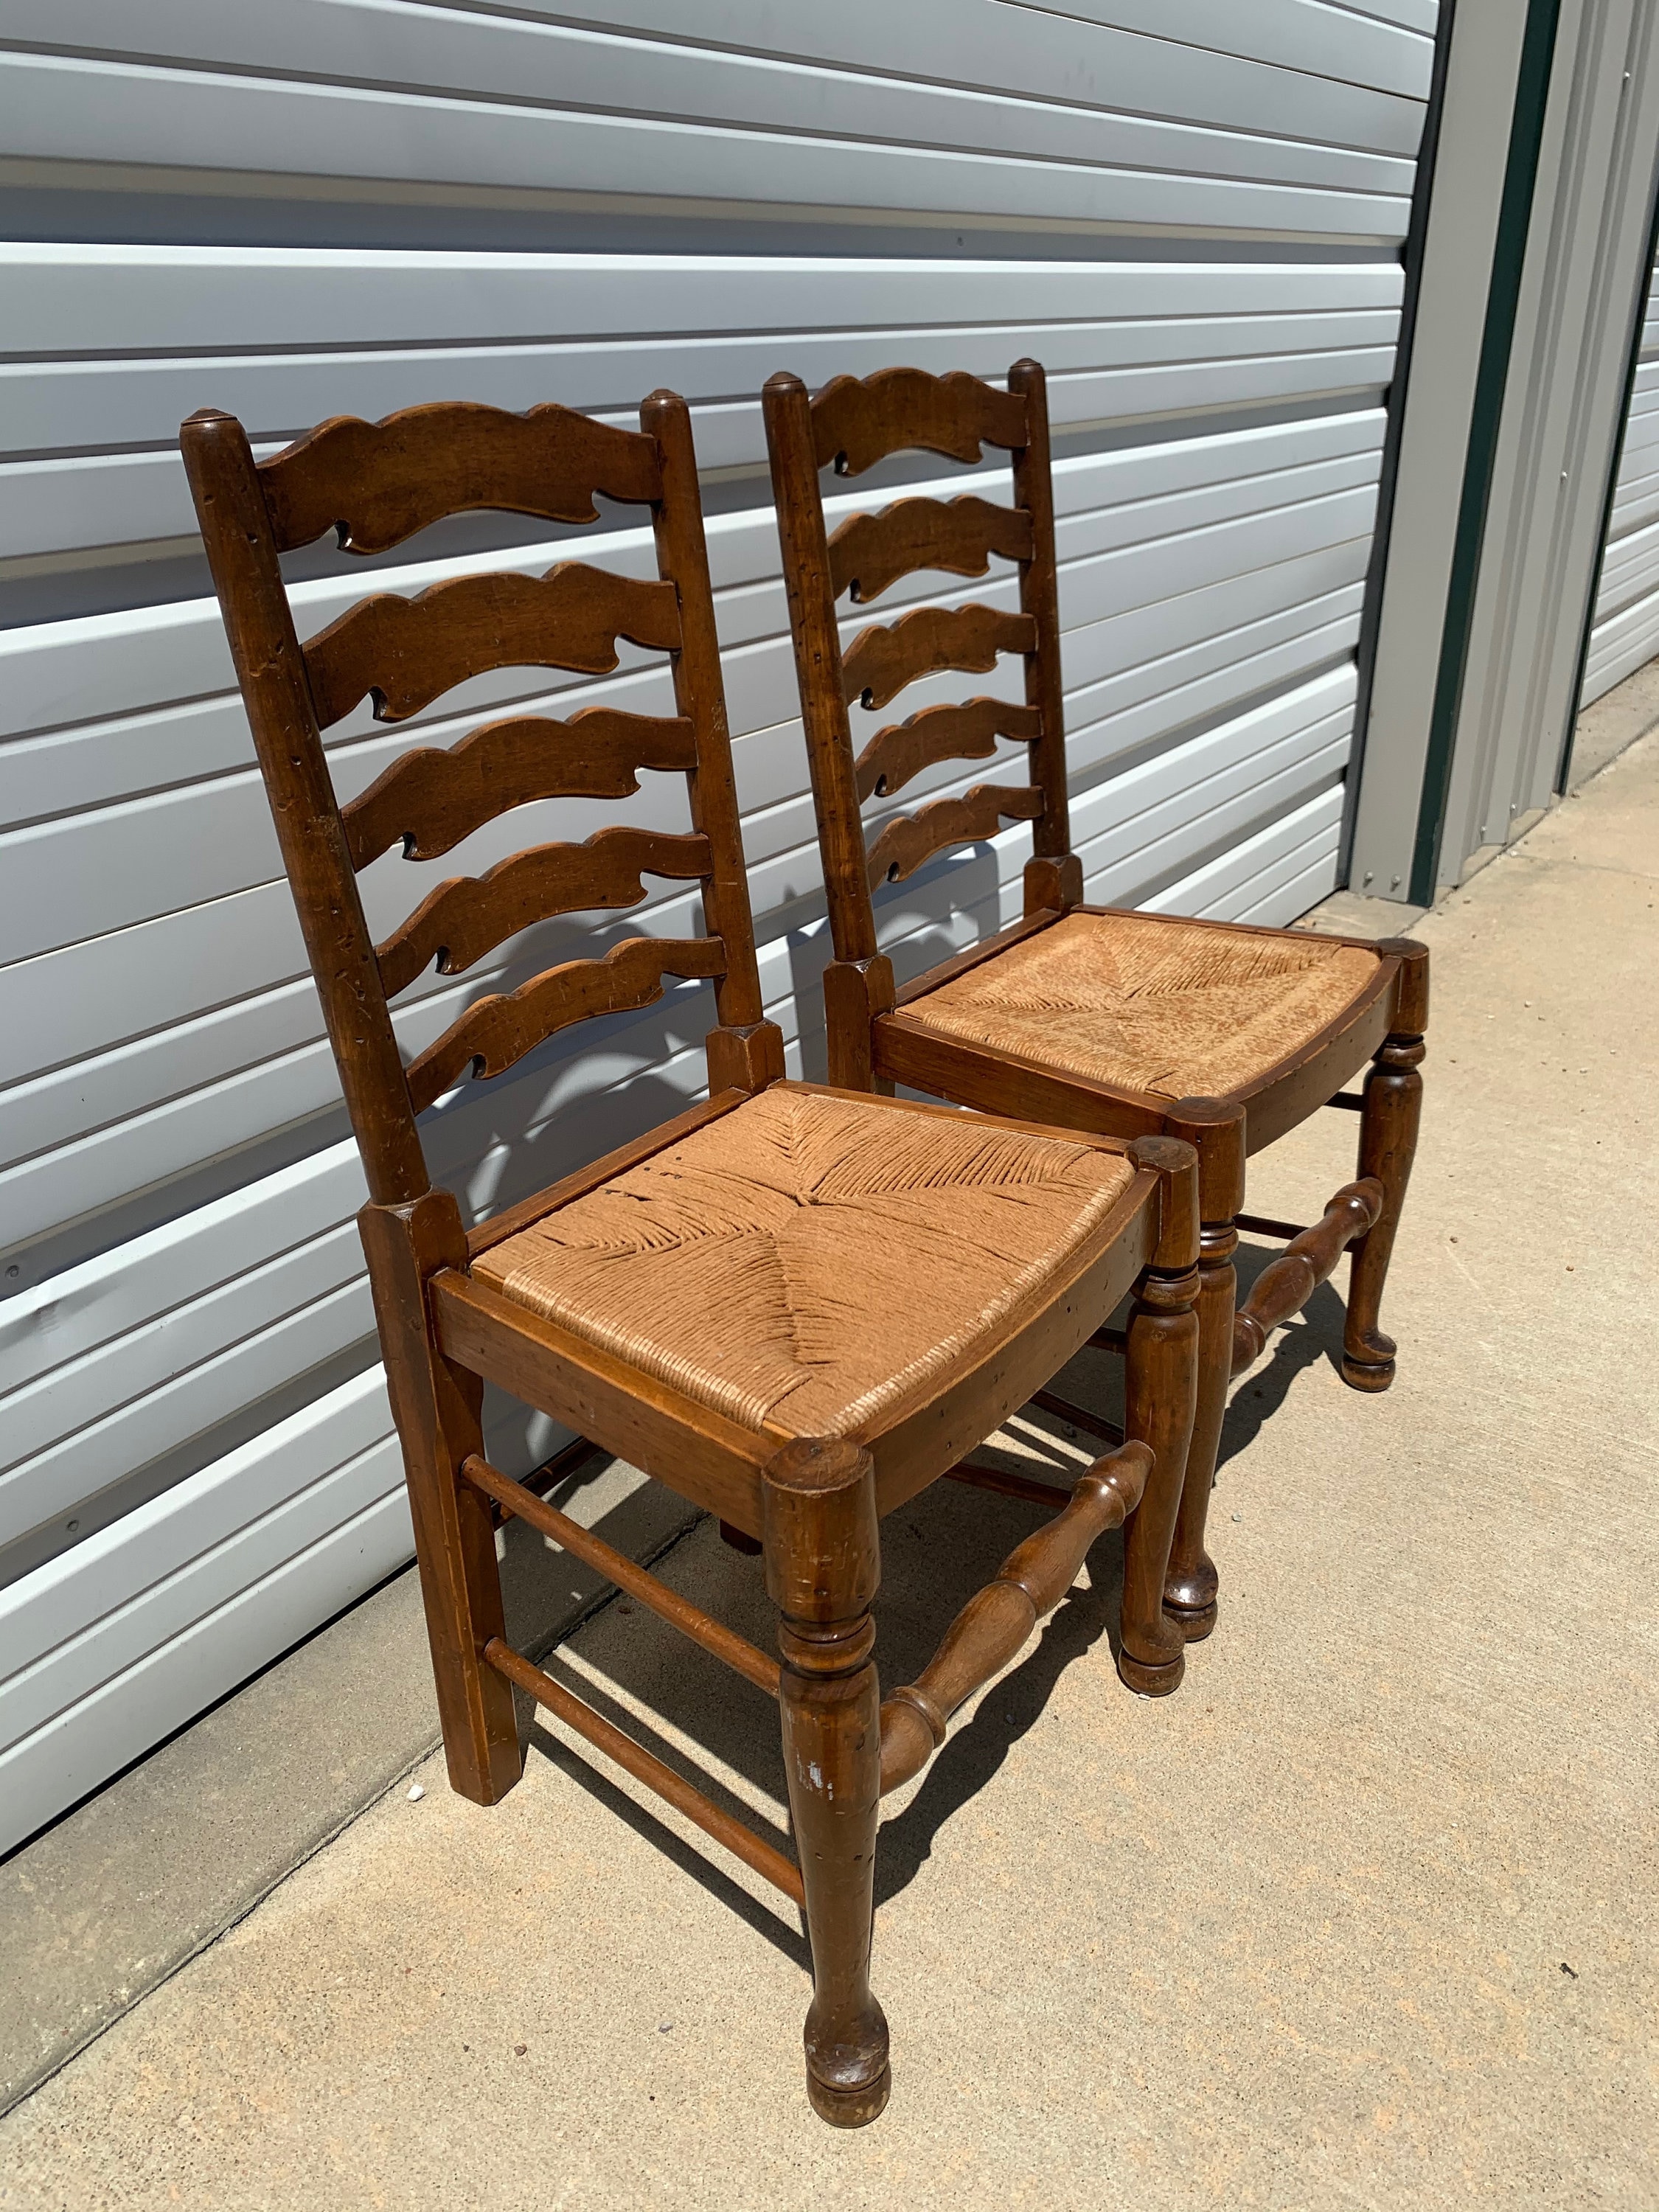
point(1153, 1004)
point(810, 1258)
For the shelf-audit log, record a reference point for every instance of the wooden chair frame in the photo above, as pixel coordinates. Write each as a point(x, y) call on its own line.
point(875, 1040)
point(812, 1505)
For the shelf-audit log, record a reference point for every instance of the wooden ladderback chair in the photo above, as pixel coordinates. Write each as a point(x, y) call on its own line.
point(1224, 1034)
point(796, 1306)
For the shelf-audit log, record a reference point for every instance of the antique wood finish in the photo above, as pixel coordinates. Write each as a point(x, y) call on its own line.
point(469, 915)
point(1286, 1284)
point(1054, 876)
point(436, 1403)
point(1388, 1143)
point(746, 1044)
point(882, 659)
point(497, 1031)
point(706, 1457)
point(822, 1567)
point(1160, 1398)
point(997, 1620)
point(376, 483)
point(241, 549)
point(429, 801)
point(576, 1713)
point(870, 552)
point(910, 839)
point(902, 749)
point(1215, 1127)
point(725, 1643)
point(857, 422)
point(404, 653)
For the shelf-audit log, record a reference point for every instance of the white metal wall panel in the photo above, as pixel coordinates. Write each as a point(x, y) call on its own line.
point(1625, 626)
point(1191, 212)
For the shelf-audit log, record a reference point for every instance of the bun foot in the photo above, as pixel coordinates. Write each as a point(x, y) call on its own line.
point(1189, 1597)
point(1154, 1681)
point(1194, 1622)
point(1367, 1374)
point(853, 2108)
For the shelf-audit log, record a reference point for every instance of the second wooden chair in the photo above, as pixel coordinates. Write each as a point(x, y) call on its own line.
point(1097, 1018)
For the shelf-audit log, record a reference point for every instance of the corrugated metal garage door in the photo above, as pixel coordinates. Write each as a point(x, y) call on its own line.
point(1624, 627)
point(1192, 211)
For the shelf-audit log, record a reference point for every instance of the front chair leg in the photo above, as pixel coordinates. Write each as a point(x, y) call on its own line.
point(1387, 1144)
point(1216, 1127)
point(823, 1564)
point(1160, 1398)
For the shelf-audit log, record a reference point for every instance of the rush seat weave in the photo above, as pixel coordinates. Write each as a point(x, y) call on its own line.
point(810, 1258)
point(1154, 1005)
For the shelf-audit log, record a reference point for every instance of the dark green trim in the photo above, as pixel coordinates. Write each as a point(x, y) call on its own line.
point(1564, 763)
point(1496, 340)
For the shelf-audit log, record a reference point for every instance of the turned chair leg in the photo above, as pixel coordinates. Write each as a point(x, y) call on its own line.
point(436, 1409)
point(823, 1564)
point(1216, 1127)
point(1160, 1397)
point(1388, 1143)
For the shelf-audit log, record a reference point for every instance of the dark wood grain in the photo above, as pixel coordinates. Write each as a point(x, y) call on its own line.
point(816, 642)
point(732, 1650)
point(881, 660)
point(1286, 1283)
point(700, 694)
point(404, 654)
point(1388, 1125)
point(1160, 1400)
point(376, 483)
point(241, 552)
point(436, 1404)
point(431, 799)
point(910, 839)
point(823, 1565)
point(997, 1619)
point(1054, 876)
point(858, 421)
point(1215, 1128)
point(869, 553)
point(467, 916)
point(969, 731)
point(499, 1030)
point(696, 1451)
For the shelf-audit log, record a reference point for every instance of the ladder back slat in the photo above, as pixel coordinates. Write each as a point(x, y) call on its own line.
point(910, 839)
point(497, 1031)
point(886, 657)
point(969, 731)
point(467, 916)
point(869, 552)
point(429, 801)
point(858, 421)
point(376, 483)
point(406, 652)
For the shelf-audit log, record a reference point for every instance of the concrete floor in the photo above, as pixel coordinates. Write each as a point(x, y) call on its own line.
point(1364, 1916)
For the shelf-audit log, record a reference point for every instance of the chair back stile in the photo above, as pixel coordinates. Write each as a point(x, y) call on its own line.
point(854, 424)
point(376, 484)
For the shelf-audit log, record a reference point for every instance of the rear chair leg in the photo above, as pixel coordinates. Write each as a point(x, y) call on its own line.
point(1160, 1397)
point(436, 1406)
point(1388, 1142)
point(823, 1564)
